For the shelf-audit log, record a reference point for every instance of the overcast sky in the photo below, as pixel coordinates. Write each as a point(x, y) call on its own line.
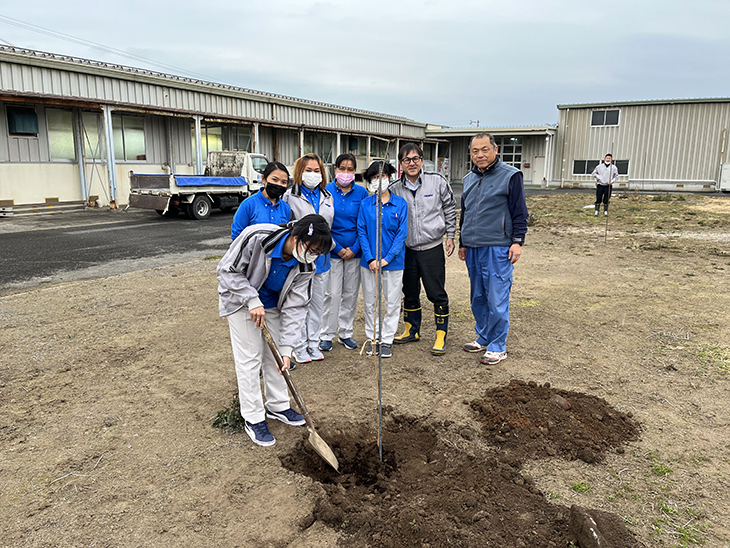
point(448, 62)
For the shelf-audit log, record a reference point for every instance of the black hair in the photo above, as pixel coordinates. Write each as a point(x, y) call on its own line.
point(313, 231)
point(409, 147)
point(483, 135)
point(374, 170)
point(344, 157)
point(273, 166)
point(609, 154)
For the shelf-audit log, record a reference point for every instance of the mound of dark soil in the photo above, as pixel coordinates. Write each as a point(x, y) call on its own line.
point(428, 493)
point(531, 421)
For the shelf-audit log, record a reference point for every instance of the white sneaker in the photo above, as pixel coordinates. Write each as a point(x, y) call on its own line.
point(493, 358)
point(301, 356)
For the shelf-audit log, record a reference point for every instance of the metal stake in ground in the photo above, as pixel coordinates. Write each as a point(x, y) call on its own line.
point(378, 295)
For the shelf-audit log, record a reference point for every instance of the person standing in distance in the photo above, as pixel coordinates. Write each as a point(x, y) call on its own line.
point(606, 174)
point(340, 298)
point(492, 232)
point(431, 215)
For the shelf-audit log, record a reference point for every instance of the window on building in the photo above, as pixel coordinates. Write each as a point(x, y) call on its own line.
point(586, 167)
point(604, 118)
point(129, 143)
point(357, 146)
point(60, 134)
point(623, 166)
point(319, 144)
point(211, 138)
point(93, 135)
point(22, 121)
point(510, 150)
point(240, 138)
point(378, 148)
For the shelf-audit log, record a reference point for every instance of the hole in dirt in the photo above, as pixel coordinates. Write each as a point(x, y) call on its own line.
point(436, 487)
point(532, 421)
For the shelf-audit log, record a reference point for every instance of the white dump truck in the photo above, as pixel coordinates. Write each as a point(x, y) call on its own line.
point(229, 178)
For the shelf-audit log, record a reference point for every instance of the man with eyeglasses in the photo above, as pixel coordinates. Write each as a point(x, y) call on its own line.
point(431, 215)
point(492, 231)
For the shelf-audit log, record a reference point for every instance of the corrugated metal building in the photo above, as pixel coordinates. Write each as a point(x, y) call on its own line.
point(71, 129)
point(529, 149)
point(657, 145)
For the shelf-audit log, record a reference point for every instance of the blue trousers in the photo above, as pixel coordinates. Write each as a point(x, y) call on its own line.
point(490, 275)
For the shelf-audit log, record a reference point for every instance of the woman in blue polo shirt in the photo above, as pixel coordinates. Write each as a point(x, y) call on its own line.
point(266, 205)
point(340, 298)
point(394, 222)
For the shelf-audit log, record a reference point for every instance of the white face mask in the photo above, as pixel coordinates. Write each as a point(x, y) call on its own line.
point(311, 179)
point(306, 257)
point(384, 184)
point(608, 162)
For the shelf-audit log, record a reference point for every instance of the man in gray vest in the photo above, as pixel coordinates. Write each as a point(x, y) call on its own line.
point(606, 174)
point(431, 215)
point(493, 227)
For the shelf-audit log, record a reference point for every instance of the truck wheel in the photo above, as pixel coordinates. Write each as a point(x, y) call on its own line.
point(199, 208)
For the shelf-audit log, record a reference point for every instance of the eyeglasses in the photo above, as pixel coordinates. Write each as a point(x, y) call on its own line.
point(412, 159)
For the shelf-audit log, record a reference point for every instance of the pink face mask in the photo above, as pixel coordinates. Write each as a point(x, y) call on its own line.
point(344, 179)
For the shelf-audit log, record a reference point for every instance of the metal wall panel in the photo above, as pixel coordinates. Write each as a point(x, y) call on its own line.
point(4, 137)
point(287, 146)
point(156, 140)
point(664, 143)
point(266, 142)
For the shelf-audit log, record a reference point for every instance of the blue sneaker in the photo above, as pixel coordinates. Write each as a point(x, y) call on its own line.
point(325, 346)
point(288, 416)
point(349, 342)
point(259, 433)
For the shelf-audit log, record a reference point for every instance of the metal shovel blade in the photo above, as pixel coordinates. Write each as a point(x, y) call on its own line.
point(315, 440)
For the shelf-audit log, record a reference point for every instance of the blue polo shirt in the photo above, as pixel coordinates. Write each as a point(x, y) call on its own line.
point(313, 196)
point(344, 225)
point(394, 231)
point(257, 209)
point(269, 292)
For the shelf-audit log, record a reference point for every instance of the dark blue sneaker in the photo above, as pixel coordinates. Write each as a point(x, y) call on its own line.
point(386, 351)
point(259, 433)
point(349, 342)
point(288, 416)
point(325, 346)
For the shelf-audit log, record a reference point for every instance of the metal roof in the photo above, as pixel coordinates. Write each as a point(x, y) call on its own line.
point(80, 64)
point(445, 131)
point(647, 102)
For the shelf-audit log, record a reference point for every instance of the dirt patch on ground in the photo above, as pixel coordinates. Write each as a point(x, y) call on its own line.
point(110, 387)
point(533, 421)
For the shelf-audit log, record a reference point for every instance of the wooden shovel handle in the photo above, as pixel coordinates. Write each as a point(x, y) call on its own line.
point(285, 373)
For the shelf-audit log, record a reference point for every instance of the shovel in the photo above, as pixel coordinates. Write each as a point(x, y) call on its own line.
point(315, 440)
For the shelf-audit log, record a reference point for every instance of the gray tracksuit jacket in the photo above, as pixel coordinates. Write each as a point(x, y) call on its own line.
point(243, 270)
point(605, 174)
point(431, 210)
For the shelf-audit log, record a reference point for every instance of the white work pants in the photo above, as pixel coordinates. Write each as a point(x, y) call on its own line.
point(392, 286)
point(340, 299)
point(250, 354)
point(313, 324)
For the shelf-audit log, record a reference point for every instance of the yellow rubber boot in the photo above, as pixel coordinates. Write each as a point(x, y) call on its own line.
point(442, 328)
point(412, 321)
